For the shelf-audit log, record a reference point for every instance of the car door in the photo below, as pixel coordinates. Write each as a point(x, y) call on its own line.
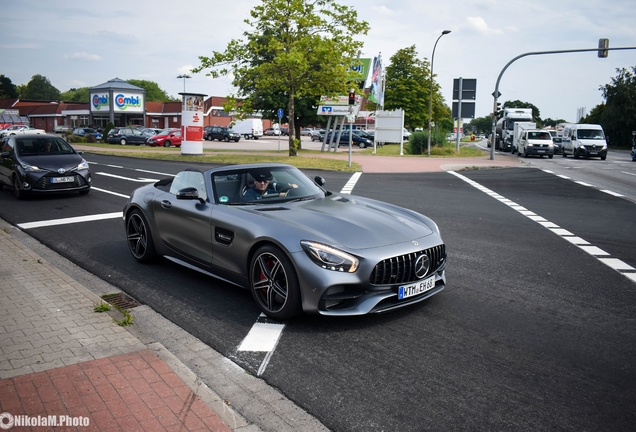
point(6, 162)
point(184, 224)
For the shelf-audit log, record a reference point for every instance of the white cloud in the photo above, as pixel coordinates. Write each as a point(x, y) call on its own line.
point(83, 56)
point(479, 25)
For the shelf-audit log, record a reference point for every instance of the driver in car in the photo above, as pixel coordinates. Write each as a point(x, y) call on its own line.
point(264, 187)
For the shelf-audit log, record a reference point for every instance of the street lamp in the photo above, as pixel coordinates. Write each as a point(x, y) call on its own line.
point(430, 102)
point(184, 76)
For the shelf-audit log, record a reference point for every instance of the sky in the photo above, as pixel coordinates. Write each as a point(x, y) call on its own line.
point(86, 43)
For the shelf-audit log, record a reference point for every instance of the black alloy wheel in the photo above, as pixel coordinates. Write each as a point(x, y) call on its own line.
point(167, 143)
point(17, 192)
point(274, 284)
point(139, 237)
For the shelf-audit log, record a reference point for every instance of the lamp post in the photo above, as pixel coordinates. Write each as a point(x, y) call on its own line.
point(184, 76)
point(430, 102)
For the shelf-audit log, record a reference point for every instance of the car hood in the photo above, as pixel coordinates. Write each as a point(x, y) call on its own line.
point(53, 162)
point(349, 222)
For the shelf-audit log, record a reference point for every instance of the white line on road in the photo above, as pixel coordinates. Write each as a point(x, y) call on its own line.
point(64, 221)
point(351, 183)
point(614, 263)
point(144, 180)
point(110, 192)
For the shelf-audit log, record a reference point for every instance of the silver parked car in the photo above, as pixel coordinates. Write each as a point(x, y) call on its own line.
point(297, 247)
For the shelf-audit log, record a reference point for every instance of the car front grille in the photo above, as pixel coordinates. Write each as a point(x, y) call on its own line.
point(401, 269)
point(44, 183)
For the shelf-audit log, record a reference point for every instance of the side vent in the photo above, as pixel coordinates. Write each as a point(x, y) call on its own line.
point(223, 236)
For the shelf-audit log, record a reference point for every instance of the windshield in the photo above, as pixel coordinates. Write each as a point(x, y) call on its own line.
point(263, 186)
point(595, 134)
point(539, 135)
point(43, 146)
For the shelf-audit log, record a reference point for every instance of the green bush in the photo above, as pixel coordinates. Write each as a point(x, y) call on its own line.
point(74, 138)
point(418, 142)
point(90, 138)
point(109, 126)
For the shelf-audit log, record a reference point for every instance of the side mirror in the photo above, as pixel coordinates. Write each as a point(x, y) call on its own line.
point(320, 181)
point(188, 193)
point(573, 137)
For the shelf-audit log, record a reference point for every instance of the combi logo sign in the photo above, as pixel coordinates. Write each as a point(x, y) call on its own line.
point(124, 102)
point(98, 101)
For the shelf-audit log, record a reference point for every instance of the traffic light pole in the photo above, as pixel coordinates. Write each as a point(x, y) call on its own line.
point(496, 93)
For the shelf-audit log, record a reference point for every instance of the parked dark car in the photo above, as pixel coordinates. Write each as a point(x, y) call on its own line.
point(317, 134)
point(295, 246)
point(355, 139)
point(85, 131)
point(126, 135)
point(220, 133)
point(39, 163)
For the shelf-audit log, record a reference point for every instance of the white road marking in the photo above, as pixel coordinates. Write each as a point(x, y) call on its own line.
point(616, 194)
point(144, 180)
point(109, 192)
point(583, 183)
point(64, 221)
point(155, 172)
point(625, 172)
point(262, 337)
point(626, 270)
point(351, 183)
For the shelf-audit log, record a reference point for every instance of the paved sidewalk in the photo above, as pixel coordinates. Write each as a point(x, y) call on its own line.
point(60, 358)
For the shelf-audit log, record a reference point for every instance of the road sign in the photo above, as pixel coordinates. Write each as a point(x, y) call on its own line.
point(280, 113)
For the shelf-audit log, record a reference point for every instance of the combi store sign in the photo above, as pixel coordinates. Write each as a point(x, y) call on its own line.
point(128, 102)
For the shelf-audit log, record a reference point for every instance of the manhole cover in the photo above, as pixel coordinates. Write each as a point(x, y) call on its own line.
point(121, 300)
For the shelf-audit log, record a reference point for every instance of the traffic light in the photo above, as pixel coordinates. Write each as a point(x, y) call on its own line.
point(352, 98)
point(498, 111)
point(603, 45)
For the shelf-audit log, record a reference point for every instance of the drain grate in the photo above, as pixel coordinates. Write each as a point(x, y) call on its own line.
point(121, 300)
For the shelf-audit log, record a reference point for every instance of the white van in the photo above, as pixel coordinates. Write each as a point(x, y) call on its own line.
point(586, 140)
point(249, 128)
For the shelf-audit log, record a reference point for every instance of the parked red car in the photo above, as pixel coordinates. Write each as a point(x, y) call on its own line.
point(166, 138)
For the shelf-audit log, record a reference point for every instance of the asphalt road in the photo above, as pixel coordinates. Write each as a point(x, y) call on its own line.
point(533, 332)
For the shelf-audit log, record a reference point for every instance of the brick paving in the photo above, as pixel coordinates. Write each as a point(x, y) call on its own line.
point(60, 358)
point(128, 392)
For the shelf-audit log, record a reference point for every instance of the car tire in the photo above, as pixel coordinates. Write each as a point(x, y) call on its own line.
point(550, 156)
point(274, 284)
point(17, 192)
point(139, 237)
point(362, 145)
point(226, 139)
point(563, 154)
point(603, 157)
point(575, 154)
point(167, 143)
point(122, 141)
point(525, 153)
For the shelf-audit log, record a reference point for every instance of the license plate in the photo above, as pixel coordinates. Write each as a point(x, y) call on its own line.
point(540, 151)
point(593, 153)
point(62, 179)
point(419, 287)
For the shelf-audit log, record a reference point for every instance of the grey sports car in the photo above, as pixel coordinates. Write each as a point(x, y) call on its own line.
point(297, 247)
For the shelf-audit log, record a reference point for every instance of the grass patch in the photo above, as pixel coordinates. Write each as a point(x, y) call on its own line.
point(101, 307)
point(127, 320)
point(446, 151)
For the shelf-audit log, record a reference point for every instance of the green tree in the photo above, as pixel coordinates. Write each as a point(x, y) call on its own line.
point(536, 115)
point(76, 95)
point(481, 124)
point(552, 122)
point(296, 49)
point(618, 117)
point(40, 88)
point(8, 90)
point(408, 87)
point(153, 92)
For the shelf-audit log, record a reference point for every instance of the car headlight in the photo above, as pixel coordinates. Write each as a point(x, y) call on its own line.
point(29, 168)
point(330, 258)
point(83, 165)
